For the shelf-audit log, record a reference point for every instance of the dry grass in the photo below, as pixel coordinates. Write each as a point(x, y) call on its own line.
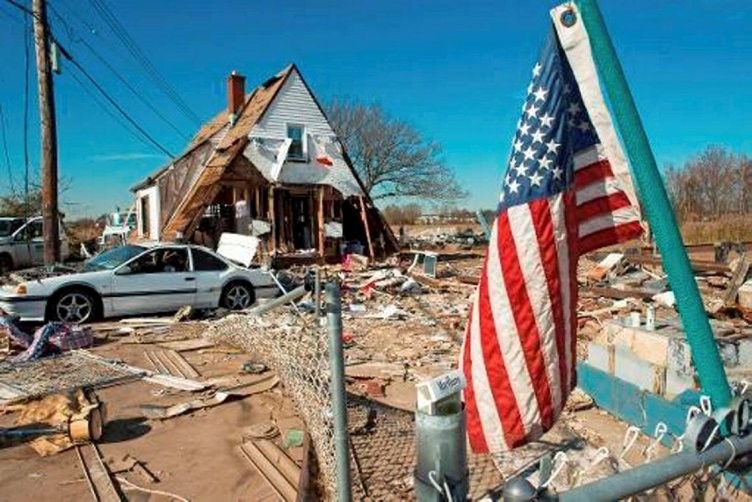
point(727, 228)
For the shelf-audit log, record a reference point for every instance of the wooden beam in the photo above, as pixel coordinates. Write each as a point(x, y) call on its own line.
point(320, 221)
point(273, 220)
point(364, 216)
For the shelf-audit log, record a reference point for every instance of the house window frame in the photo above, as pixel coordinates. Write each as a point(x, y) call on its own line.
point(304, 143)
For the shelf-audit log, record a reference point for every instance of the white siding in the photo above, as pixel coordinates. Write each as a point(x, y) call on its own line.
point(152, 195)
point(293, 105)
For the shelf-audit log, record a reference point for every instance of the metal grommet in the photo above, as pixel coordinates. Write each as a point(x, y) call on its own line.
point(568, 18)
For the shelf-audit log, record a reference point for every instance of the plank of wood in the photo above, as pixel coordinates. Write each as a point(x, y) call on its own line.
point(364, 216)
point(187, 370)
point(187, 345)
point(97, 475)
point(739, 277)
point(272, 467)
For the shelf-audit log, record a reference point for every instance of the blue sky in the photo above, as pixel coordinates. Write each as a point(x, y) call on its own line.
point(456, 70)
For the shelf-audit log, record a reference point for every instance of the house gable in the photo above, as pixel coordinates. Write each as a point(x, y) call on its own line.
point(294, 104)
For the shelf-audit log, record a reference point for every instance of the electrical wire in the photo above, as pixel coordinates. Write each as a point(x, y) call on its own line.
point(99, 88)
point(75, 38)
point(105, 109)
point(5, 147)
point(27, 58)
point(115, 104)
point(122, 34)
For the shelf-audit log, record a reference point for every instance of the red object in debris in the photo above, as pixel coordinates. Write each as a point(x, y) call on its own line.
point(346, 263)
point(347, 338)
point(374, 387)
point(368, 288)
point(325, 160)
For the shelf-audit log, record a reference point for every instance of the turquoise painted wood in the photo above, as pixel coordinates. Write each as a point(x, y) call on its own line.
point(657, 208)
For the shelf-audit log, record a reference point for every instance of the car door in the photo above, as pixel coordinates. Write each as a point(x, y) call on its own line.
point(36, 242)
point(22, 247)
point(210, 271)
point(158, 280)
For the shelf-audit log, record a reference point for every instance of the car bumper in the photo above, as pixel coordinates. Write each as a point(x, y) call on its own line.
point(27, 308)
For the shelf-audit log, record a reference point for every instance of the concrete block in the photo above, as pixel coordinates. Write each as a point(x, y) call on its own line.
point(635, 370)
point(601, 356)
point(745, 353)
point(729, 353)
point(677, 383)
point(679, 357)
point(650, 346)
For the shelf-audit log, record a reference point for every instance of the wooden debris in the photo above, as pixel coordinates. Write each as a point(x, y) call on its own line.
point(279, 471)
point(170, 362)
point(97, 475)
point(740, 275)
point(187, 345)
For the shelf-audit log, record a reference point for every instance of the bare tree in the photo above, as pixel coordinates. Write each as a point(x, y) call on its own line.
point(392, 158)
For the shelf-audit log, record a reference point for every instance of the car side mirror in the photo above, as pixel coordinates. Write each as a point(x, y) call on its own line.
point(124, 270)
point(19, 237)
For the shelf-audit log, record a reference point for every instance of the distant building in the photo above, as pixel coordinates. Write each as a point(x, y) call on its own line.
point(269, 165)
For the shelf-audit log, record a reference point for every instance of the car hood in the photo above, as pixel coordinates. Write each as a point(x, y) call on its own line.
point(52, 283)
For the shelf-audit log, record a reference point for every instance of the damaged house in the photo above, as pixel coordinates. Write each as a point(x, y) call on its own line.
point(269, 166)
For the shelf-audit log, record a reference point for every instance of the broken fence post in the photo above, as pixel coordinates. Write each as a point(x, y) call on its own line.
point(293, 295)
point(339, 398)
point(317, 293)
point(658, 211)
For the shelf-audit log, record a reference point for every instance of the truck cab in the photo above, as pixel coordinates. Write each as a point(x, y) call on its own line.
point(22, 243)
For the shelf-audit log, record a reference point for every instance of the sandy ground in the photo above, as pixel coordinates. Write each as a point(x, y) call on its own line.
point(194, 456)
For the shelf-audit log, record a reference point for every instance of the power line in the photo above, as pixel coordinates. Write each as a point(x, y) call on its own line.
point(105, 109)
point(77, 39)
point(130, 44)
point(114, 103)
point(5, 147)
point(27, 36)
point(91, 79)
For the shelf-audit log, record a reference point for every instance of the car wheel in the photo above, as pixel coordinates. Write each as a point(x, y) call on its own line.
point(237, 296)
point(6, 264)
point(74, 306)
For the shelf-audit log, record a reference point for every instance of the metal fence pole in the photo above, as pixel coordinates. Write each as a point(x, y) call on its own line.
point(339, 398)
point(317, 293)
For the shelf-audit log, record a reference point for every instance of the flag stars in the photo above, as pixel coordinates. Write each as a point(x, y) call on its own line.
point(521, 169)
point(574, 108)
point(546, 120)
point(525, 129)
point(514, 186)
point(529, 153)
point(541, 94)
point(518, 145)
point(530, 88)
point(584, 126)
point(538, 136)
point(537, 70)
point(545, 163)
point(552, 146)
point(532, 110)
point(557, 172)
point(535, 179)
point(567, 89)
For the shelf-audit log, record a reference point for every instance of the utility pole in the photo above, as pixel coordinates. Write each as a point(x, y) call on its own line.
point(49, 134)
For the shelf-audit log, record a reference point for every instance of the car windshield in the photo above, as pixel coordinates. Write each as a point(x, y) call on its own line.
point(112, 258)
point(8, 226)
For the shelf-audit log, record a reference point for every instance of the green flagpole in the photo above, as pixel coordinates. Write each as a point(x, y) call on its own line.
point(656, 206)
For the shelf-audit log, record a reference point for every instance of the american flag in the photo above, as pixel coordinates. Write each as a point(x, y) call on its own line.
point(560, 198)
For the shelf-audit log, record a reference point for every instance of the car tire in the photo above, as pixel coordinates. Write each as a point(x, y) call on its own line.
point(237, 295)
point(6, 264)
point(75, 306)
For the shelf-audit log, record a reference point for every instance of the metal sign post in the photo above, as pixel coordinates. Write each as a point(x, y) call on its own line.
point(441, 473)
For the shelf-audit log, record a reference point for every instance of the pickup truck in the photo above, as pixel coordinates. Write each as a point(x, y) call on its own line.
point(22, 243)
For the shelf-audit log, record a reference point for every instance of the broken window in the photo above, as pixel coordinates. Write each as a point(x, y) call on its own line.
point(297, 150)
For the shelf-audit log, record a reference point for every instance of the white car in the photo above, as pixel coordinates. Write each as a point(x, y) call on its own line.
point(136, 279)
point(22, 243)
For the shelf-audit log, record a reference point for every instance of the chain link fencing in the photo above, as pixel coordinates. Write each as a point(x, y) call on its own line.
point(298, 352)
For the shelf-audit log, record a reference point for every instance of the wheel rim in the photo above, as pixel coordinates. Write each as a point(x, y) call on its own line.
point(74, 307)
point(237, 298)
